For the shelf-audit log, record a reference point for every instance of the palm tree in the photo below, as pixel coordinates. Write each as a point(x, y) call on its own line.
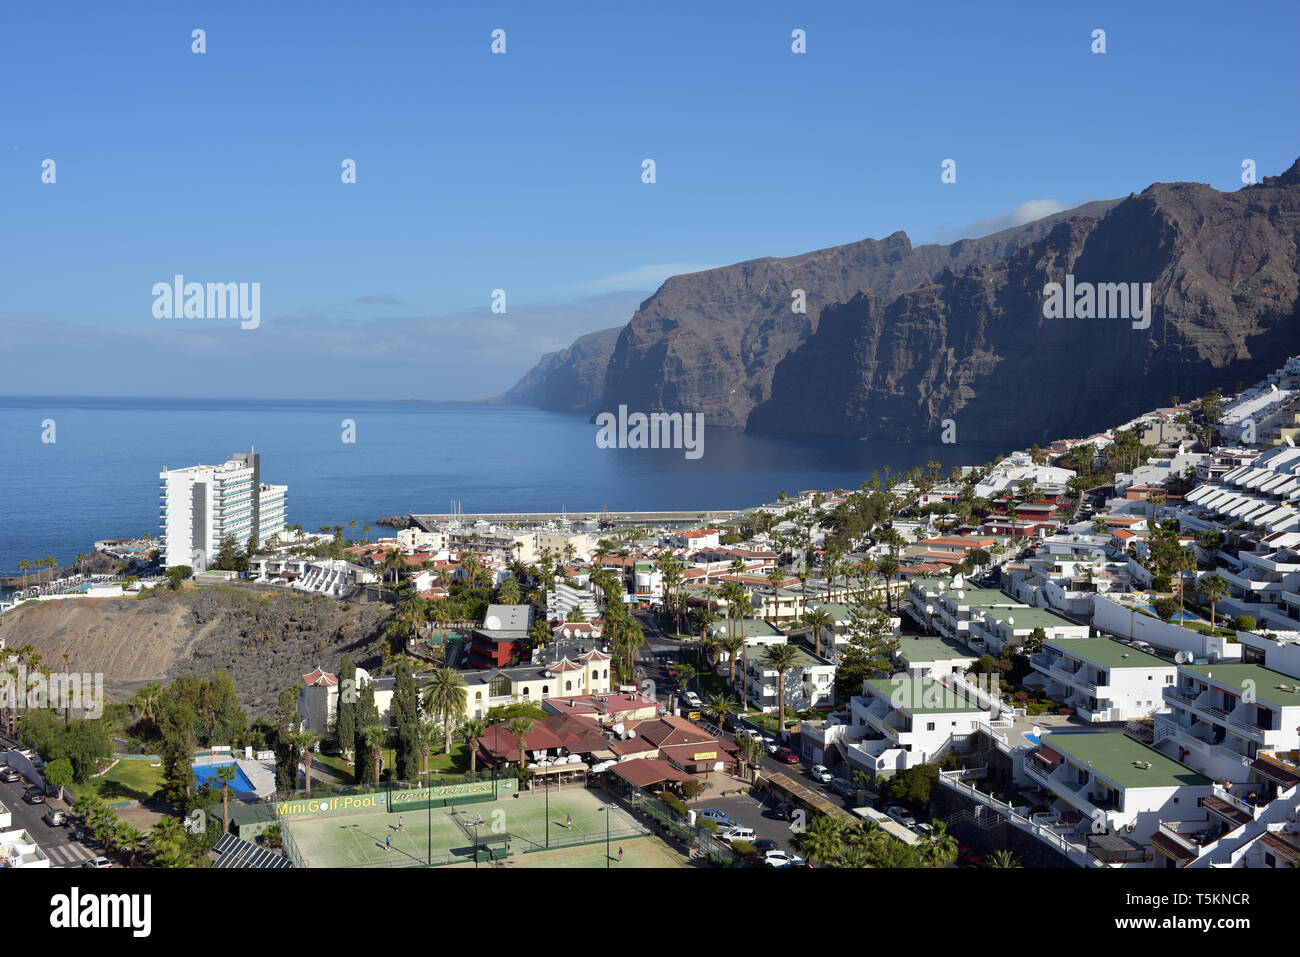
point(130, 840)
point(430, 737)
point(817, 619)
point(444, 698)
point(780, 658)
point(372, 736)
point(473, 729)
point(822, 839)
point(721, 706)
point(940, 847)
point(1003, 859)
point(394, 562)
point(1213, 587)
point(732, 645)
point(302, 742)
point(168, 835)
point(520, 727)
point(23, 565)
point(226, 775)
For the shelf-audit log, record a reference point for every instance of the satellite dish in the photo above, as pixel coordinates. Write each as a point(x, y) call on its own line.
point(1182, 657)
point(1037, 731)
point(1011, 621)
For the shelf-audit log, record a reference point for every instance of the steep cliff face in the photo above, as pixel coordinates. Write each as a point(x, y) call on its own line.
point(974, 346)
point(711, 341)
point(897, 338)
point(570, 380)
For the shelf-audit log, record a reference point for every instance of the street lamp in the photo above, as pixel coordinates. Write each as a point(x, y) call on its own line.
point(605, 808)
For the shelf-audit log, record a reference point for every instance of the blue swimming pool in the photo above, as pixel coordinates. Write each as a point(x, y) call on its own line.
point(207, 774)
point(1186, 615)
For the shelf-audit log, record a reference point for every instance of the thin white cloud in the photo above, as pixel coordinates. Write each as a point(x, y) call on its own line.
point(1026, 212)
point(645, 276)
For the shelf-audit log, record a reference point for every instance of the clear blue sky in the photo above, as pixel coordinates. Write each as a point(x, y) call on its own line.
point(522, 171)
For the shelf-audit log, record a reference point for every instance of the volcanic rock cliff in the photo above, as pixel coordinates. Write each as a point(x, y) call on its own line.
point(897, 338)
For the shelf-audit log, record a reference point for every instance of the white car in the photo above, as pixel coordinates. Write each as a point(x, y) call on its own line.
point(692, 699)
point(782, 859)
point(820, 772)
point(770, 745)
point(737, 833)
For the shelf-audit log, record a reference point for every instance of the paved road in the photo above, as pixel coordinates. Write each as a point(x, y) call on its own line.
point(56, 842)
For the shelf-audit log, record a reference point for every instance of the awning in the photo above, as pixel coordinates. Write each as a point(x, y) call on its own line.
point(1276, 772)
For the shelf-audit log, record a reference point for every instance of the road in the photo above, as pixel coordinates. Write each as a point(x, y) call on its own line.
point(56, 842)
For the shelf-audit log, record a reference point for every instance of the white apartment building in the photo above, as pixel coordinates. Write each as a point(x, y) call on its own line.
point(203, 504)
point(1222, 715)
point(1102, 679)
point(562, 598)
point(1111, 783)
point(995, 626)
point(810, 682)
point(898, 723)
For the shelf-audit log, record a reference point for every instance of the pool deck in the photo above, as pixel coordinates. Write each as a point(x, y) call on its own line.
point(261, 774)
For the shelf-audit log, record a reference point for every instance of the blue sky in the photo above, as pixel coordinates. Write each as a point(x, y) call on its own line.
point(522, 171)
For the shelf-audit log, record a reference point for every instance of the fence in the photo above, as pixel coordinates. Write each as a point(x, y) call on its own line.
point(669, 823)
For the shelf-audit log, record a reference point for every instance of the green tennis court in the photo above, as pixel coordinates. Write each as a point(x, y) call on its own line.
point(373, 838)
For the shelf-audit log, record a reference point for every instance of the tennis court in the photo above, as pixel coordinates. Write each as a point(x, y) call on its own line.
point(518, 825)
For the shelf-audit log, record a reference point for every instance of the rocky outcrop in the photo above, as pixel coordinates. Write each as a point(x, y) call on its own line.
point(570, 380)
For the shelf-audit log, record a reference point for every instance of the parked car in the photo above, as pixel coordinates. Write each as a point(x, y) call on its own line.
point(9, 776)
point(34, 796)
point(819, 772)
point(764, 844)
point(55, 818)
point(968, 856)
point(692, 699)
point(844, 787)
point(782, 859)
point(737, 833)
point(787, 755)
point(781, 812)
point(770, 745)
point(721, 818)
point(901, 816)
point(923, 829)
point(96, 862)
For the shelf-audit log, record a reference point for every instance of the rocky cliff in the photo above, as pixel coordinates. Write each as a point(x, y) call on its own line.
point(896, 339)
point(570, 380)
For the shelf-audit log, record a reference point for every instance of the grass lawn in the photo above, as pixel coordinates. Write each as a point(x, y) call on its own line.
point(127, 781)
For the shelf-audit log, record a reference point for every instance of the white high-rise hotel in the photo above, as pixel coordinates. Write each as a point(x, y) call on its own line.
point(203, 504)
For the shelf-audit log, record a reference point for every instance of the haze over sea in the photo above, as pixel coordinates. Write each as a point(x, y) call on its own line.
point(99, 479)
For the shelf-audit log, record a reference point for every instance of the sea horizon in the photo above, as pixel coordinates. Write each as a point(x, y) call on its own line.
point(99, 480)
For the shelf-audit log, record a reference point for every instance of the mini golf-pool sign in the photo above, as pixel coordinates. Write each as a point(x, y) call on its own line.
point(347, 802)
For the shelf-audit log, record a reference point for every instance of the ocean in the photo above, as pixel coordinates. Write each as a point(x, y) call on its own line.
point(98, 478)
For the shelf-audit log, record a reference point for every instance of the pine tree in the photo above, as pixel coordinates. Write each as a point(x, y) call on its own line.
point(347, 707)
point(406, 709)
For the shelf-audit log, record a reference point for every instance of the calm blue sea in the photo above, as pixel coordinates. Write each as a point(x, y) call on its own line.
point(99, 479)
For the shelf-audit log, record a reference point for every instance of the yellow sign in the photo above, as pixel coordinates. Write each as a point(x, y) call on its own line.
point(351, 802)
point(705, 756)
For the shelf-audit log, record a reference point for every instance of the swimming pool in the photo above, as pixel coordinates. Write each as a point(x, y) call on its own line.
point(1186, 615)
point(207, 774)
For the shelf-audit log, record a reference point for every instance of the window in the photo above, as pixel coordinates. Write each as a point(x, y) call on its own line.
point(568, 686)
point(929, 726)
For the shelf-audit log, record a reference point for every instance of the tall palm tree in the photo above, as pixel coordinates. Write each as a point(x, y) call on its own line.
point(472, 730)
point(444, 698)
point(780, 658)
point(732, 645)
point(1213, 587)
point(226, 775)
point(519, 728)
point(817, 619)
point(1002, 859)
point(372, 737)
point(168, 835)
point(23, 565)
